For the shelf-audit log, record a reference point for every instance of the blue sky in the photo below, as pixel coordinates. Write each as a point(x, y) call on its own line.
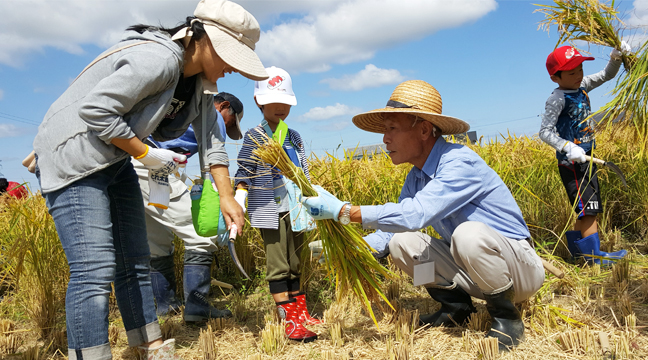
point(485, 57)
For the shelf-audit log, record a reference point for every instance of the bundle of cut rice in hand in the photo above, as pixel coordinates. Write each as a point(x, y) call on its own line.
point(348, 257)
point(598, 23)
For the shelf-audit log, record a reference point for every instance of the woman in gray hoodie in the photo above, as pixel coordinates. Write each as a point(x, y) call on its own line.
point(155, 81)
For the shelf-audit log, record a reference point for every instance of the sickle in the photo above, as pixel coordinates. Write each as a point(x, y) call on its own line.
point(612, 167)
point(232, 250)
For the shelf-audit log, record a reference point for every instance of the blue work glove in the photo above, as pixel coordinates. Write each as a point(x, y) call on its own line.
point(324, 206)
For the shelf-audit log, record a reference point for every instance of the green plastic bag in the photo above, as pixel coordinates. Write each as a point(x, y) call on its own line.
point(205, 208)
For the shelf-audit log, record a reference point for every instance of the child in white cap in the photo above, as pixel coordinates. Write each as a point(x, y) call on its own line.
point(268, 201)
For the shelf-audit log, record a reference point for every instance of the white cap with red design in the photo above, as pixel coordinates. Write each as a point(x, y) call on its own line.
point(276, 89)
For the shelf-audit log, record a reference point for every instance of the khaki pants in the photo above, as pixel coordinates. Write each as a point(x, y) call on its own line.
point(479, 260)
point(162, 224)
point(283, 248)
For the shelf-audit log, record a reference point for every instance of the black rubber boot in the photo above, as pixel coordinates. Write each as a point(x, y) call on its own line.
point(163, 281)
point(456, 307)
point(197, 281)
point(507, 325)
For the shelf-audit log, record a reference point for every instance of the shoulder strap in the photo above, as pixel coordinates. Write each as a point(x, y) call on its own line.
point(108, 54)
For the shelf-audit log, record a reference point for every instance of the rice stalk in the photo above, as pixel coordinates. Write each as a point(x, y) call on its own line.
point(171, 327)
point(630, 322)
point(218, 324)
point(331, 355)
point(487, 348)
point(337, 311)
point(622, 346)
point(113, 333)
point(397, 351)
point(9, 344)
point(405, 326)
point(479, 321)
point(33, 353)
point(577, 342)
point(207, 343)
point(335, 331)
point(348, 257)
point(273, 339)
point(625, 304)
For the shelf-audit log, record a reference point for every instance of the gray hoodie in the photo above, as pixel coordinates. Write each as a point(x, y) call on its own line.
point(121, 96)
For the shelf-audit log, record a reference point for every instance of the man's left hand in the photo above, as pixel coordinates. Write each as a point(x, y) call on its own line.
point(323, 206)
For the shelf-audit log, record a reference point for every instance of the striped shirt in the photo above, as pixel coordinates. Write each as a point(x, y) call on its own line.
point(261, 206)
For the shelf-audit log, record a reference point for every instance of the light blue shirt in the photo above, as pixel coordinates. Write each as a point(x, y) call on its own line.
point(454, 186)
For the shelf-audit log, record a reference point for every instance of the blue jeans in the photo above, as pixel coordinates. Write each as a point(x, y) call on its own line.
point(100, 222)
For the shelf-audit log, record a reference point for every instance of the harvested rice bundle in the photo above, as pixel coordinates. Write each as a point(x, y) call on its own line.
point(597, 23)
point(348, 256)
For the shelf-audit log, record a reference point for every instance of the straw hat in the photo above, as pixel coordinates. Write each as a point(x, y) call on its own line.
point(415, 97)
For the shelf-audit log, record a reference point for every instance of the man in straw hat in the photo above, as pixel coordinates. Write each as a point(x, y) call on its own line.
point(484, 249)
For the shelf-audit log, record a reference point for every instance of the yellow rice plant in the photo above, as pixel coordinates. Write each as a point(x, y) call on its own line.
point(34, 259)
point(348, 257)
point(598, 23)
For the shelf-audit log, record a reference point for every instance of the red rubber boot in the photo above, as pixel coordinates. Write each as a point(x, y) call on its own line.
point(294, 328)
point(304, 316)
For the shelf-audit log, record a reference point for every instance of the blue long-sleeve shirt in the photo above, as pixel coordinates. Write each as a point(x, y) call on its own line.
point(454, 186)
point(188, 139)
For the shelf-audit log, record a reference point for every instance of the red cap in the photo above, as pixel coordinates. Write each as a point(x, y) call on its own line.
point(16, 190)
point(564, 58)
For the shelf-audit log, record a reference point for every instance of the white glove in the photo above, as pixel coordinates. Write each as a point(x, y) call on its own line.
point(317, 251)
point(625, 50)
point(240, 196)
point(159, 189)
point(156, 159)
point(574, 152)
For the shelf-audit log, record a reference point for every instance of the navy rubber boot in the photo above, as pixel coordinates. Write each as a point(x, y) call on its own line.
point(572, 237)
point(163, 282)
point(507, 325)
point(456, 307)
point(197, 281)
point(590, 245)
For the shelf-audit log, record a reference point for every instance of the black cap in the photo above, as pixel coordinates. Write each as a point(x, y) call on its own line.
point(234, 132)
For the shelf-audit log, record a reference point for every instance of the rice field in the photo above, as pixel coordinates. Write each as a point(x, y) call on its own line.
point(566, 319)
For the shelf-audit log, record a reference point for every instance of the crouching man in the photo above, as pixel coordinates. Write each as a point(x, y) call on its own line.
point(484, 250)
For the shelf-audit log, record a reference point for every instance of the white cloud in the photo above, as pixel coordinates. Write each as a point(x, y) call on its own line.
point(1, 94)
point(369, 77)
point(638, 20)
point(336, 126)
point(9, 130)
point(29, 26)
point(329, 112)
point(354, 30)
point(306, 35)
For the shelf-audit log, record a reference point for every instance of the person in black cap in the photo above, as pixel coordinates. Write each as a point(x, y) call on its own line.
point(162, 224)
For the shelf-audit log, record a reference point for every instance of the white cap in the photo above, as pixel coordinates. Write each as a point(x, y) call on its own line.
point(276, 89)
point(233, 33)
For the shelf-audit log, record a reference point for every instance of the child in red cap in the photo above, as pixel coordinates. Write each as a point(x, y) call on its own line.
point(566, 127)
